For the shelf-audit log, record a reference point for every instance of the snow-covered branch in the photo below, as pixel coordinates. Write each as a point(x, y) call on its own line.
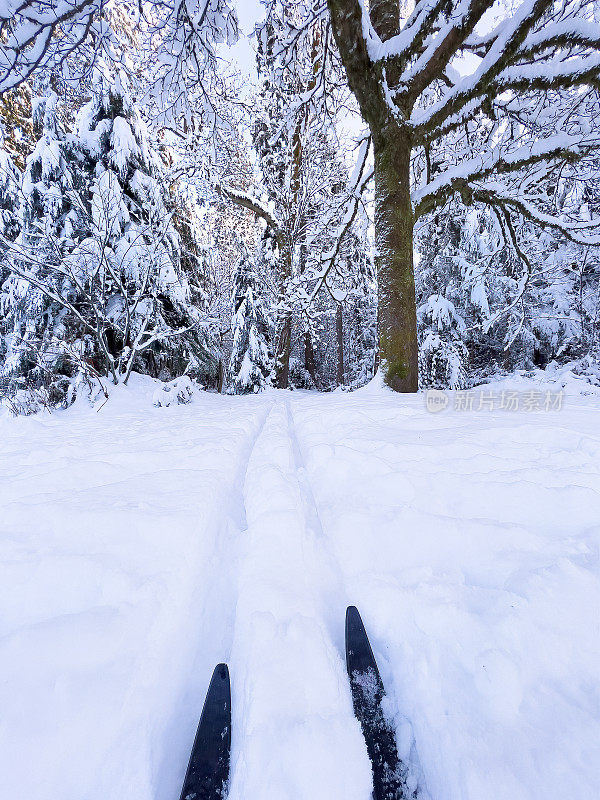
point(494, 194)
point(253, 204)
point(495, 162)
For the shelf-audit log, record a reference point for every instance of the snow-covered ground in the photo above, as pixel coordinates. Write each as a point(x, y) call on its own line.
point(141, 545)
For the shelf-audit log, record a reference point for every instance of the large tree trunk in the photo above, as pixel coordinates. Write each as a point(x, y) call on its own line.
point(284, 341)
point(393, 207)
point(394, 260)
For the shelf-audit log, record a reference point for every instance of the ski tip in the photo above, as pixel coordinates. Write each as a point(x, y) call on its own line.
point(359, 654)
point(208, 767)
point(221, 673)
point(219, 683)
point(354, 625)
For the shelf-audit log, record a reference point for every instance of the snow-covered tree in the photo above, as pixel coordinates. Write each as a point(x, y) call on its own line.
point(67, 38)
point(17, 123)
point(34, 291)
point(10, 191)
point(361, 326)
point(511, 305)
point(250, 362)
point(96, 276)
point(304, 187)
point(130, 264)
point(524, 110)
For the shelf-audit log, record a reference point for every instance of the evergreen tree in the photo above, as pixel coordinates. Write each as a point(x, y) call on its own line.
point(50, 223)
point(250, 361)
point(10, 190)
point(362, 321)
point(131, 264)
point(16, 119)
point(10, 184)
point(504, 299)
point(96, 277)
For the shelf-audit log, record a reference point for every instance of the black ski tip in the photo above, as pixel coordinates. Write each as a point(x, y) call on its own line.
point(367, 694)
point(208, 769)
point(359, 654)
point(221, 674)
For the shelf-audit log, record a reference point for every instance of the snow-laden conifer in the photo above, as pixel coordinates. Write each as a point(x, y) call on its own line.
point(250, 361)
point(10, 186)
point(35, 289)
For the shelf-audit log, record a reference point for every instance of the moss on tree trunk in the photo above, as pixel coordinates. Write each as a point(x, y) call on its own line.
point(394, 259)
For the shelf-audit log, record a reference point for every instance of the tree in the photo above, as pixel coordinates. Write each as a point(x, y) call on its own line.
point(10, 186)
point(481, 302)
point(528, 109)
point(303, 190)
point(250, 362)
point(17, 123)
point(50, 224)
point(67, 38)
point(131, 266)
point(97, 276)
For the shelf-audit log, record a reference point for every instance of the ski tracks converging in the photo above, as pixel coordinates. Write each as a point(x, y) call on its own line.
point(294, 733)
point(214, 608)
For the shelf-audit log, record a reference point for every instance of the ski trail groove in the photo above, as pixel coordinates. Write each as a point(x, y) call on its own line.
point(294, 734)
point(216, 602)
point(333, 584)
point(345, 585)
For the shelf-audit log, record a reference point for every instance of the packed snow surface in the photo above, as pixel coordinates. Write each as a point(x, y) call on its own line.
point(141, 545)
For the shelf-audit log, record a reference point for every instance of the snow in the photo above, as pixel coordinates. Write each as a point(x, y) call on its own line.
point(123, 146)
point(141, 545)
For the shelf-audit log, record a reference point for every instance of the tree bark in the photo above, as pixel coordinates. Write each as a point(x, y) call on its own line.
point(309, 357)
point(282, 358)
point(394, 260)
point(394, 220)
point(284, 341)
point(339, 325)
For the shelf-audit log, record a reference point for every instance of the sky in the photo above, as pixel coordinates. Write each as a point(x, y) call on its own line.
point(242, 55)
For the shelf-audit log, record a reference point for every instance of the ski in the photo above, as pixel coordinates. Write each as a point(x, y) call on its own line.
point(208, 770)
point(367, 695)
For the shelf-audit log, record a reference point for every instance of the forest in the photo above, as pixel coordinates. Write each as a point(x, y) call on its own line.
point(411, 187)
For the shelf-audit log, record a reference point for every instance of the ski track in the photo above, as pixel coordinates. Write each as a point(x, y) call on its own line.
point(345, 589)
point(294, 733)
point(218, 605)
point(332, 586)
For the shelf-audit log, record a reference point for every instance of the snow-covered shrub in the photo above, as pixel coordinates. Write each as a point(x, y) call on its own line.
point(176, 392)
